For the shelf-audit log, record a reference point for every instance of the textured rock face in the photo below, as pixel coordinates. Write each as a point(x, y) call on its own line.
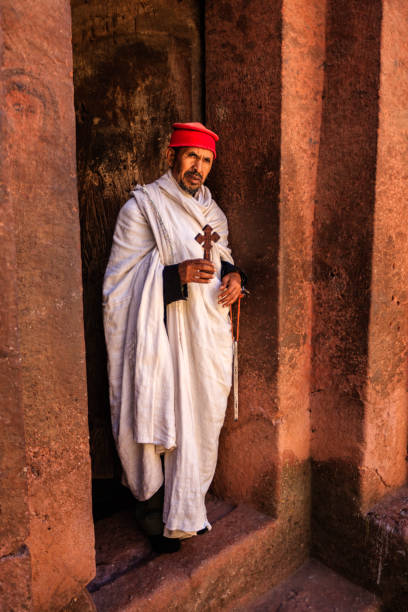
point(38, 159)
point(386, 413)
point(265, 179)
point(359, 418)
point(14, 555)
point(336, 226)
point(344, 214)
point(239, 556)
point(241, 90)
point(137, 69)
point(342, 267)
point(316, 587)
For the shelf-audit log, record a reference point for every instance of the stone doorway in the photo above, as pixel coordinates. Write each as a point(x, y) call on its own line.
point(137, 69)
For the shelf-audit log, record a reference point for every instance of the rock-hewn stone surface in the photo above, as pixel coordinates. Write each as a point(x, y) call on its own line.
point(265, 178)
point(303, 52)
point(137, 69)
point(82, 602)
point(15, 581)
point(36, 72)
point(387, 538)
point(359, 397)
point(343, 240)
point(241, 554)
point(243, 105)
point(371, 549)
point(385, 462)
point(14, 555)
point(344, 213)
point(121, 546)
point(316, 588)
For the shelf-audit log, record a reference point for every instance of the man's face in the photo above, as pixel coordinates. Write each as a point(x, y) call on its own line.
point(190, 167)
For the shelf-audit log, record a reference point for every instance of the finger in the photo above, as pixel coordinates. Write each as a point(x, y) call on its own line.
point(207, 267)
point(201, 275)
point(222, 299)
point(231, 300)
point(235, 298)
point(205, 275)
point(225, 296)
point(231, 288)
point(203, 278)
point(202, 262)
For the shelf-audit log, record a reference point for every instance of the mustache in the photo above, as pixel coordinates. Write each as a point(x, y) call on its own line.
point(194, 174)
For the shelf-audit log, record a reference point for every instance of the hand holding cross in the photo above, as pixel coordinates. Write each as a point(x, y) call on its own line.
point(200, 270)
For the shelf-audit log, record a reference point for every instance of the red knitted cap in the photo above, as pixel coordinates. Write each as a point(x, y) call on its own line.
point(193, 135)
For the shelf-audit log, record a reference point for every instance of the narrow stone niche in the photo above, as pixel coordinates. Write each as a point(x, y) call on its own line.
point(137, 69)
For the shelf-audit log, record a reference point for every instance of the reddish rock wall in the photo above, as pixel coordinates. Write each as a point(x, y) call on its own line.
point(344, 214)
point(137, 69)
point(39, 155)
point(15, 563)
point(303, 53)
point(344, 228)
point(359, 419)
point(385, 458)
point(268, 115)
point(340, 207)
point(243, 105)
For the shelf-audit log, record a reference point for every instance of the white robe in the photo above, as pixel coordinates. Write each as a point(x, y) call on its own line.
point(168, 387)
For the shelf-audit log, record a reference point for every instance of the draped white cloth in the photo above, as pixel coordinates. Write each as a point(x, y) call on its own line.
point(168, 387)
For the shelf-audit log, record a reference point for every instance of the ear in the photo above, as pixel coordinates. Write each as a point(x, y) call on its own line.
point(170, 156)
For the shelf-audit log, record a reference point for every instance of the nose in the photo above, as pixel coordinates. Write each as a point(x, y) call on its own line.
point(198, 165)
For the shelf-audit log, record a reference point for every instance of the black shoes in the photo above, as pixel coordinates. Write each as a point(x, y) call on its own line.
point(161, 544)
point(202, 531)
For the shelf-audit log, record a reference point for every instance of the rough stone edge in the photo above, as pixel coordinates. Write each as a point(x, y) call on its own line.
point(254, 557)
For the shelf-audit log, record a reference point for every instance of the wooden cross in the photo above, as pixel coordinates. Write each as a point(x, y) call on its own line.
point(208, 237)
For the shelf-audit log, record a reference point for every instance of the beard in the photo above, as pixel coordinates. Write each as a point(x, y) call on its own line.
point(190, 190)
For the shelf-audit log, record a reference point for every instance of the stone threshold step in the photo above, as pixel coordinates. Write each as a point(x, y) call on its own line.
point(314, 588)
point(240, 555)
point(120, 546)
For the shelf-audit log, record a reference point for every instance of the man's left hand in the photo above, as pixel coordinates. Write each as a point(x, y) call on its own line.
point(230, 289)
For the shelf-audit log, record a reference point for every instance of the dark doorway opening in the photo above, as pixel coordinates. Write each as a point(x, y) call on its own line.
point(137, 69)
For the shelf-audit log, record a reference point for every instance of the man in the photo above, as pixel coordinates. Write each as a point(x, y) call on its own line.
point(169, 339)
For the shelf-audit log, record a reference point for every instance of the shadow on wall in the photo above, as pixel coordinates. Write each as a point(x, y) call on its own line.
point(343, 242)
point(243, 104)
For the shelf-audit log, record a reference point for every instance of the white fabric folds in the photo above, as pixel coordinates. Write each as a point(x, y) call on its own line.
point(168, 387)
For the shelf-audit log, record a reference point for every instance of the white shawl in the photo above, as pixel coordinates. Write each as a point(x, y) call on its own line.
point(168, 387)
